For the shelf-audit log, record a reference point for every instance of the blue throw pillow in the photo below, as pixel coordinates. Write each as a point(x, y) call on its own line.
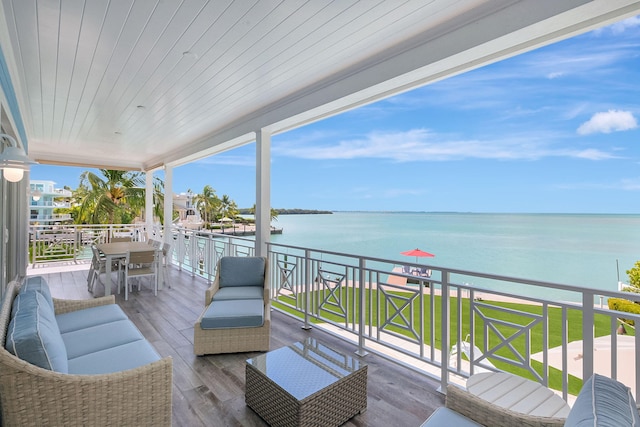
point(33, 333)
point(603, 402)
point(242, 271)
point(38, 284)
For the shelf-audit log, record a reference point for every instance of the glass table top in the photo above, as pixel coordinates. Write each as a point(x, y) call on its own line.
point(306, 367)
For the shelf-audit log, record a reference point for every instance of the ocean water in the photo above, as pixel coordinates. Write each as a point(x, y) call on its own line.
point(580, 250)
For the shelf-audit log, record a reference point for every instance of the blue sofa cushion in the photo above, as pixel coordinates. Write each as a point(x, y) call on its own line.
point(604, 402)
point(33, 333)
point(242, 271)
point(100, 337)
point(233, 314)
point(82, 319)
point(38, 284)
point(442, 417)
point(115, 359)
point(239, 292)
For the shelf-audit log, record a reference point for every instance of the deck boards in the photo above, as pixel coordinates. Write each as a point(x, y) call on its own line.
point(209, 390)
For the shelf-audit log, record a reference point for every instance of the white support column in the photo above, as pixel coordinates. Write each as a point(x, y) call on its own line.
point(263, 191)
point(168, 202)
point(4, 235)
point(148, 203)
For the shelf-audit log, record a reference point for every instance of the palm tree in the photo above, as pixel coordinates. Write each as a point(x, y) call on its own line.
point(207, 202)
point(115, 197)
point(273, 213)
point(158, 199)
point(228, 208)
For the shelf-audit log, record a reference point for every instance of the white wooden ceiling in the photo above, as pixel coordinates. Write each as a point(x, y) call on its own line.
point(139, 83)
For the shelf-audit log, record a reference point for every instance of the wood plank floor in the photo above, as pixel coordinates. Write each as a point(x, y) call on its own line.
point(209, 390)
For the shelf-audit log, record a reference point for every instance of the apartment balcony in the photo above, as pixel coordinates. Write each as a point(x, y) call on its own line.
point(50, 218)
point(429, 331)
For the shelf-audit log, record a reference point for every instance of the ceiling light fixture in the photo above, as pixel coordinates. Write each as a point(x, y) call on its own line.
point(13, 160)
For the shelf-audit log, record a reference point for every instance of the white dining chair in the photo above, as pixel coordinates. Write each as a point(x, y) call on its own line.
point(137, 265)
point(98, 267)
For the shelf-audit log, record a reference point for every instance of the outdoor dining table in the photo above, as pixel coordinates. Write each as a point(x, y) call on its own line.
point(116, 250)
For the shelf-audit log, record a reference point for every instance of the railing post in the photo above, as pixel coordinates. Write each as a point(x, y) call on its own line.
point(307, 284)
point(77, 239)
point(444, 331)
point(587, 334)
point(34, 254)
point(192, 254)
point(361, 317)
point(208, 256)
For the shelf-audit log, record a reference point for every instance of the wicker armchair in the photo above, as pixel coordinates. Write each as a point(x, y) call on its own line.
point(30, 395)
point(233, 340)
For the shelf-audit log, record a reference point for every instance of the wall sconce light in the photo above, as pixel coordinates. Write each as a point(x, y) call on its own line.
point(36, 195)
point(13, 160)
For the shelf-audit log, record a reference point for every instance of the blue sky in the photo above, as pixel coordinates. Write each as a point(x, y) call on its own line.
point(553, 130)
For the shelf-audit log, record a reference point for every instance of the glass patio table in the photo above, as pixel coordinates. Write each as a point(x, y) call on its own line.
point(306, 384)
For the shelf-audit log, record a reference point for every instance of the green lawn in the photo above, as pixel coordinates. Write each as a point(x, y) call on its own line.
point(506, 323)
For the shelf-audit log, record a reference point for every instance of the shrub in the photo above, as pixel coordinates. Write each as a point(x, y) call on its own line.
point(634, 275)
point(619, 304)
point(631, 289)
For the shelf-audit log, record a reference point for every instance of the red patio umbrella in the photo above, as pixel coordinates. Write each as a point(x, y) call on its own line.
point(417, 253)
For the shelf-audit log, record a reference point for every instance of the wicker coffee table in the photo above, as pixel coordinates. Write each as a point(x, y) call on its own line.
point(306, 384)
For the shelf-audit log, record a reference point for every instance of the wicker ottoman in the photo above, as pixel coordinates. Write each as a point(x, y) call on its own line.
point(306, 384)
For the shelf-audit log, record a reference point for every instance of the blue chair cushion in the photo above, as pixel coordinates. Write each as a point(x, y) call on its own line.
point(242, 271)
point(88, 317)
point(239, 292)
point(33, 333)
point(604, 402)
point(38, 284)
point(442, 417)
point(115, 359)
point(233, 314)
point(100, 337)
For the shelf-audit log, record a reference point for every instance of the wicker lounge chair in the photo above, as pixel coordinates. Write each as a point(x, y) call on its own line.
point(231, 275)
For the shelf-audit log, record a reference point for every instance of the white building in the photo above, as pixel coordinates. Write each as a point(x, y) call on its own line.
point(44, 198)
point(188, 215)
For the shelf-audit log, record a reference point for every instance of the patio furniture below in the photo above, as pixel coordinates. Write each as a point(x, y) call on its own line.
point(306, 384)
point(237, 312)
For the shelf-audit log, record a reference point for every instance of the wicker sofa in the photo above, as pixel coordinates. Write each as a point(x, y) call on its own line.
point(602, 401)
point(237, 312)
point(112, 375)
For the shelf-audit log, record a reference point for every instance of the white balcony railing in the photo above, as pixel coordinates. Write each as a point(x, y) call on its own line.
point(73, 242)
point(442, 321)
point(555, 341)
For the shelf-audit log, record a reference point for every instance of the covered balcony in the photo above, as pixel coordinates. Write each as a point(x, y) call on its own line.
point(149, 86)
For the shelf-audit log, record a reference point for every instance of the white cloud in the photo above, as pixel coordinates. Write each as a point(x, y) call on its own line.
point(628, 184)
point(592, 154)
point(424, 145)
point(624, 25)
point(632, 184)
point(555, 75)
point(607, 122)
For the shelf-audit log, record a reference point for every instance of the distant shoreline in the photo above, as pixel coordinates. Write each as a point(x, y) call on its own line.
point(490, 213)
